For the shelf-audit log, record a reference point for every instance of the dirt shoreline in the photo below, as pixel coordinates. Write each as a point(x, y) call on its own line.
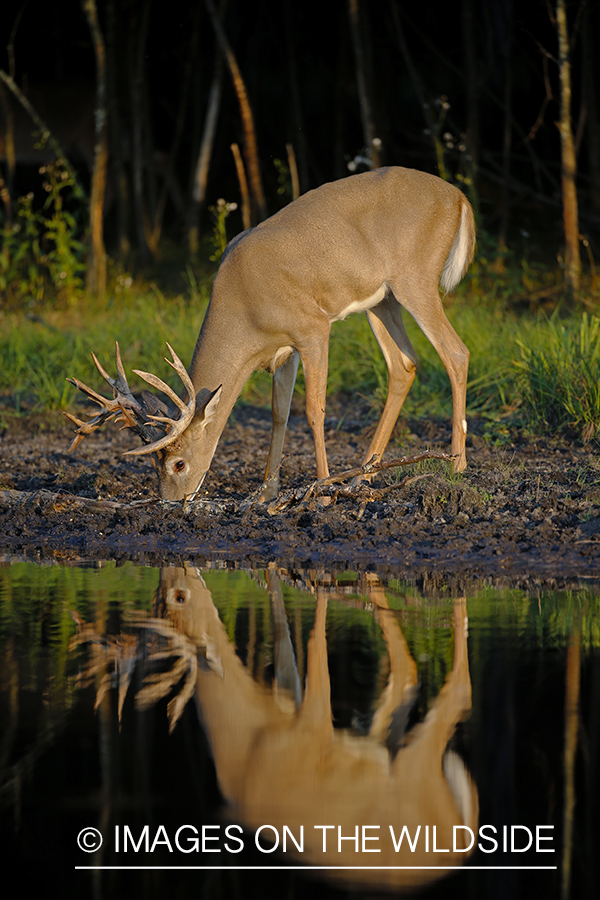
point(524, 513)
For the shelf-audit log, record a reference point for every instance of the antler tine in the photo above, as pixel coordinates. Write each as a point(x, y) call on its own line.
point(87, 427)
point(111, 408)
point(123, 402)
point(119, 384)
point(157, 382)
point(188, 410)
point(182, 372)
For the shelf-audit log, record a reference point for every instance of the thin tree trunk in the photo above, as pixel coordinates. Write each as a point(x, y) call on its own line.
point(297, 118)
point(96, 273)
point(245, 195)
point(205, 153)
point(9, 132)
point(291, 155)
point(569, 163)
point(7, 188)
point(572, 692)
point(250, 144)
point(366, 107)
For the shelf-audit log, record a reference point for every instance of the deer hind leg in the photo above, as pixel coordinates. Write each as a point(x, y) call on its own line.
point(428, 313)
point(284, 379)
point(402, 363)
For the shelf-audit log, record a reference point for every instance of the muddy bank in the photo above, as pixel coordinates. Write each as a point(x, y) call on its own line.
point(524, 511)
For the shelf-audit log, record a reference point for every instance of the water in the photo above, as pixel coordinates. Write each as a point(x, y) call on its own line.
point(195, 718)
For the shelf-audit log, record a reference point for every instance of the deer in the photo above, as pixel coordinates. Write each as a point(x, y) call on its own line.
point(375, 242)
point(278, 758)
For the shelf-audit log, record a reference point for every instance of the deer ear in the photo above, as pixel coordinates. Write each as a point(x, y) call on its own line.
point(207, 403)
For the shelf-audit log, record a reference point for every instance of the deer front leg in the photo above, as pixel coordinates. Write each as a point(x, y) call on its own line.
point(284, 379)
point(314, 360)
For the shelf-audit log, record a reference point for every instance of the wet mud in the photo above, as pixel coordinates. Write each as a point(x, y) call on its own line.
point(525, 510)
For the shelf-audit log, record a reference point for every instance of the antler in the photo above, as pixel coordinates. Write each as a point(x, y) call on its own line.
point(188, 410)
point(130, 412)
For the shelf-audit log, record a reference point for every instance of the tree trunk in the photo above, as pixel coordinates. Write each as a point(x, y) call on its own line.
point(96, 273)
point(205, 154)
point(366, 108)
point(250, 144)
point(7, 188)
point(569, 163)
point(299, 139)
point(245, 194)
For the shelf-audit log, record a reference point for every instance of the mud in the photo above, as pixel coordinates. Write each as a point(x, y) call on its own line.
point(526, 510)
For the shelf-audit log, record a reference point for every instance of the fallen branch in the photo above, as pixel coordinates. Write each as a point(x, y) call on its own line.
point(59, 501)
point(320, 488)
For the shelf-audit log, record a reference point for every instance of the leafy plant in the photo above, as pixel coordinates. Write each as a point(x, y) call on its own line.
point(41, 254)
point(219, 236)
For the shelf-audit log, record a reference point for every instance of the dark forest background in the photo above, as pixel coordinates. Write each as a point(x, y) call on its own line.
point(468, 90)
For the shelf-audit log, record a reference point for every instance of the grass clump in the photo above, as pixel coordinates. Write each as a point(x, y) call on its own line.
point(559, 377)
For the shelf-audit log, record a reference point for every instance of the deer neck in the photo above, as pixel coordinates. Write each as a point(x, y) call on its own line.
point(221, 359)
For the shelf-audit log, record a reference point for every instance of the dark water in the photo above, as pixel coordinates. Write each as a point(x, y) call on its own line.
point(194, 717)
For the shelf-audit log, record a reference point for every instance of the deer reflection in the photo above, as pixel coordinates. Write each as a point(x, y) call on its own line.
point(280, 761)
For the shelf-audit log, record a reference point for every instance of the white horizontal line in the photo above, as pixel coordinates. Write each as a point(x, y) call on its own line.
point(324, 868)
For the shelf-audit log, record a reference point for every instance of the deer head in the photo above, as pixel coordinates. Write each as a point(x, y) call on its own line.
point(172, 439)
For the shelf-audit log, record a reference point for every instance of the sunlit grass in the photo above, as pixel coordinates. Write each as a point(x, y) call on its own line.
point(544, 369)
point(40, 351)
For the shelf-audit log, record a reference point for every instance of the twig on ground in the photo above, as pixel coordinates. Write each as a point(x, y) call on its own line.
point(320, 488)
point(58, 501)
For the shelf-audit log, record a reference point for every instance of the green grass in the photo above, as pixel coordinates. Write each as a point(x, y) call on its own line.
point(39, 352)
point(545, 371)
point(559, 376)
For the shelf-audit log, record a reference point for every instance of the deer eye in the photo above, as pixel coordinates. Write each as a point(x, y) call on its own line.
point(179, 465)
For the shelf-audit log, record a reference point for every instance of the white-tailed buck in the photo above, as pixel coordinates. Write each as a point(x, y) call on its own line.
point(280, 761)
point(374, 242)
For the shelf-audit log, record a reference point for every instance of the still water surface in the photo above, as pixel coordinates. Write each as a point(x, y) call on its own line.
point(386, 738)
